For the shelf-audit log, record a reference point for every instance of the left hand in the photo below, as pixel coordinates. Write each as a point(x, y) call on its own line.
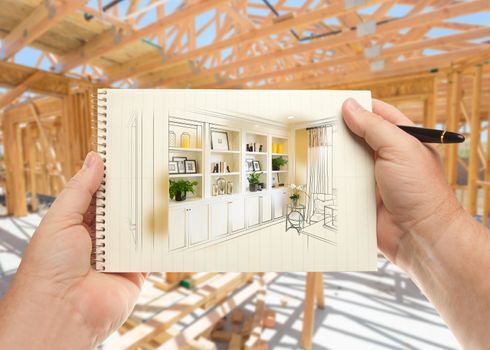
point(56, 291)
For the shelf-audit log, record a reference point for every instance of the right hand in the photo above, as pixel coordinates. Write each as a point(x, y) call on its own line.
point(415, 204)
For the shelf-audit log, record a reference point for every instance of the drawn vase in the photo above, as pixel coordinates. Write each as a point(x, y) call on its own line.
point(229, 187)
point(280, 148)
point(185, 140)
point(274, 148)
point(172, 139)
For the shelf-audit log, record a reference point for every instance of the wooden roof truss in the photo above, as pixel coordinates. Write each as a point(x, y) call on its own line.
point(236, 43)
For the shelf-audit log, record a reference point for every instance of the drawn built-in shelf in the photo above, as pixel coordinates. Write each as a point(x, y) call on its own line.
point(258, 171)
point(280, 154)
point(279, 171)
point(184, 175)
point(257, 153)
point(226, 152)
point(179, 149)
point(189, 199)
point(225, 174)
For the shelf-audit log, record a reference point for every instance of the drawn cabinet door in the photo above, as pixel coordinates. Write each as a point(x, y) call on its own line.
point(279, 202)
point(266, 207)
point(253, 211)
point(177, 228)
point(219, 219)
point(197, 223)
point(236, 214)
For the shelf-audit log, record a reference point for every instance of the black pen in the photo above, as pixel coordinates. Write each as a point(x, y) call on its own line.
point(432, 135)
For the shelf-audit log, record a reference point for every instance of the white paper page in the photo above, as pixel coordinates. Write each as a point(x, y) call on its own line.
point(331, 228)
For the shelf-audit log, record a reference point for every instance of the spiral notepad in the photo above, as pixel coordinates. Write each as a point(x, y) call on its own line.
point(232, 180)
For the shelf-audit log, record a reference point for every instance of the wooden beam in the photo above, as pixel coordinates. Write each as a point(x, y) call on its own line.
point(12, 94)
point(43, 18)
point(150, 62)
point(107, 42)
point(44, 82)
point(474, 161)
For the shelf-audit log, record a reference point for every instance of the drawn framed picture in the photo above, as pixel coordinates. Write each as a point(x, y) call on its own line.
point(249, 164)
point(190, 167)
point(219, 140)
point(275, 180)
point(173, 168)
point(180, 163)
point(256, 165)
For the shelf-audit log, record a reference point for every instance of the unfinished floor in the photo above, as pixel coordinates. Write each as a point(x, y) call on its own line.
point(382, 310)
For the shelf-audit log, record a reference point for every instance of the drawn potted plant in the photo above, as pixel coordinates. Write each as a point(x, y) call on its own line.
point(253, 181)
point(179, 189)
point(294, 197)
point(278, 162)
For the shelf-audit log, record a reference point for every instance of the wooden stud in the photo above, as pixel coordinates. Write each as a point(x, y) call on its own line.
point(474, 161)
point(454, 87)
point(319, 291)
point(309, 311)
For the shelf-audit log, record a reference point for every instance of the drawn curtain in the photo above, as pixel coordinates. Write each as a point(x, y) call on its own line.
point(320, 164)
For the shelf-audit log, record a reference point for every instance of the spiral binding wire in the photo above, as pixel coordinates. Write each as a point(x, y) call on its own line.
point(99, 144)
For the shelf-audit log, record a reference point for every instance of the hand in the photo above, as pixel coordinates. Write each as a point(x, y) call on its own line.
point(55, 289)
point(414, 200)
point(421, 226)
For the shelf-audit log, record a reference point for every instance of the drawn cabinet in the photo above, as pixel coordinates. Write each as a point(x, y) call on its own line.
point(266, 208)
point(187, 226)
point(219, 219)
point(176, 228)
point(197, 223)
point(279, 203)
point(253, 211)
point(236, 214)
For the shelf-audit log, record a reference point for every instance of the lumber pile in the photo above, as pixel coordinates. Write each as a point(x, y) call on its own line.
point(211, 300)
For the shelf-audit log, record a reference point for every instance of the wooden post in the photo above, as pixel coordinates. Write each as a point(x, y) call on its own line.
point(32, 167)
point(474, 164)
point(309, 311)
point(320, 291)
point(454, 83)
point(430, 116)
point(14, 176)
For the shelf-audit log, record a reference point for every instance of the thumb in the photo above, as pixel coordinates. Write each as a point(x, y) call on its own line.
point(71, 204)
point(377, 131)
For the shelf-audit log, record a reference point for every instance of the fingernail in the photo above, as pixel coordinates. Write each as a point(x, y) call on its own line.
point(352, 105)
point(89, 160)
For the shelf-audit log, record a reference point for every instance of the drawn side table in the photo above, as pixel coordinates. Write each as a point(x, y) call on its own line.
point(333, 215)
point(295, 218)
